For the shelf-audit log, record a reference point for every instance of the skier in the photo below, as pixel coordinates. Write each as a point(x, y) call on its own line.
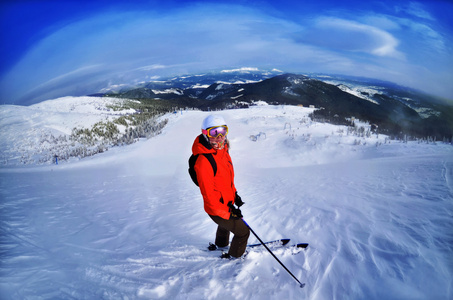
point(217, 188)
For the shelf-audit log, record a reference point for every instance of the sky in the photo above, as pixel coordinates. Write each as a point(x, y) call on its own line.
point(53, 48)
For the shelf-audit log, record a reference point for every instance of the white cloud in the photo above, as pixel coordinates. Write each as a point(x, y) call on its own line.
point(243, 69)
point(341, 34)
point(152, 67)
point(426, 35)
point(415, 9)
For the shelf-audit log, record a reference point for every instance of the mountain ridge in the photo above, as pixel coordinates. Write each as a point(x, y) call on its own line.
point(396, 110)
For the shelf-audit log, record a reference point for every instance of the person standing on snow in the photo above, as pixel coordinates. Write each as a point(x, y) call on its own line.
point(218, 191)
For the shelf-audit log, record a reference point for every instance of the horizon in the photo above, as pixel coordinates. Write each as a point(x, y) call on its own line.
point(87, 47)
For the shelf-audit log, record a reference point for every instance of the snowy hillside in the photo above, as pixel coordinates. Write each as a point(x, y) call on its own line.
point(35, 134)
point(129, 223)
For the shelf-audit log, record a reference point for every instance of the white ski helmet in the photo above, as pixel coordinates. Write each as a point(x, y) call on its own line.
point(211, 121)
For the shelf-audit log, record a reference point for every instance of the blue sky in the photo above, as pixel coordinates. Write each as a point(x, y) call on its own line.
point(58, 48)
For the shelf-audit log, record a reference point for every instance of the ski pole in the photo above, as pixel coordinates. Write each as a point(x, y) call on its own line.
point(301, 284)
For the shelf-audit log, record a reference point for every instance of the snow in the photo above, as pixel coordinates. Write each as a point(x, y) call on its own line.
point(25, 129)
point(169, 91)
point(129, 223)
point(67, 112)
point(359, 91)
point(200, 86)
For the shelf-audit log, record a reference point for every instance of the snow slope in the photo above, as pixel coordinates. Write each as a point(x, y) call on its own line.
point(27, 129)
point(129, 223)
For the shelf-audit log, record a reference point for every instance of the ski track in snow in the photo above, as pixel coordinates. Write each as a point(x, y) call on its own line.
point(129, 224)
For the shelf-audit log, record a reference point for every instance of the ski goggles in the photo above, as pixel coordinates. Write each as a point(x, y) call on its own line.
point(216, 131)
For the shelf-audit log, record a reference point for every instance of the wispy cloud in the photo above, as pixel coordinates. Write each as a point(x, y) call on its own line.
point(152, 67)
point(340, 34)
point(415, 9)
point(126, 47)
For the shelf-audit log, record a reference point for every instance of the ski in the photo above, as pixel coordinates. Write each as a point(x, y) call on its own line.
point(276, 243)
point(281, 242)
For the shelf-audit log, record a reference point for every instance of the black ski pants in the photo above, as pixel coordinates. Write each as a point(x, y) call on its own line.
point(240, 231)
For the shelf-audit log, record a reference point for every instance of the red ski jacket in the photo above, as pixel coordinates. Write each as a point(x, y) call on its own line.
point(217, 190)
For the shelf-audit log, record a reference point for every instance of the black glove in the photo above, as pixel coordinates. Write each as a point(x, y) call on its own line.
point(235, 213)
point(238, 201)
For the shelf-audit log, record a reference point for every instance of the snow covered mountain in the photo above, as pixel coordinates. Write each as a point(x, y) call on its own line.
point(395, 109)
point(129, 223)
